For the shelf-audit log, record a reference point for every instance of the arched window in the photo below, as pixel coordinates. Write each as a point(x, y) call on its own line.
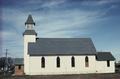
point(73, 61)
point(43, 62)
point(86, 61)
point(58, 62)
point(108, 63)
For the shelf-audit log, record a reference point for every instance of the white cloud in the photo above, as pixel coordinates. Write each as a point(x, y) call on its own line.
point(53, 3)
point(13, 42)
point(58, 21)
point(53, 21)
point(103, 2)
point(98, 2)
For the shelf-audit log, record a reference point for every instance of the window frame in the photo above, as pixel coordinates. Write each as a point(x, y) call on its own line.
point(43, 62)
point(72, 61)
point(86, 61)
point(58, 62)
point(108, 63)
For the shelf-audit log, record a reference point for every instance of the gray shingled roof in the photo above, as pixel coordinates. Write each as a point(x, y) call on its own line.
point(104, 56)
point(30, 20)
point(29, 32)
point(18, 61)
point(62, 46)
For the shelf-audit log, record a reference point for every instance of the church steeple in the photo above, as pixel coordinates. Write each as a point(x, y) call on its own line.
point(29, 26)
point(29, 37)
point(29, 23)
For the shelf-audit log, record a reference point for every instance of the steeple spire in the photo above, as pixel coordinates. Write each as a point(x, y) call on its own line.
point(29, 23)
point(29, 26)
point(30, 20)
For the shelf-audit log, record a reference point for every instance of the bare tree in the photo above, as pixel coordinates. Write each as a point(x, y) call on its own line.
point(7, 65)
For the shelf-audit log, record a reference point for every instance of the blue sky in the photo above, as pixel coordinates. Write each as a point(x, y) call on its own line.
point(97, 19)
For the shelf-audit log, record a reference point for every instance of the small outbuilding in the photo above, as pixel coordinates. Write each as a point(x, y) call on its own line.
point(19, 66)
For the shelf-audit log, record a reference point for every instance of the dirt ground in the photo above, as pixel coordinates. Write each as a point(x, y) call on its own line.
point(81, 76)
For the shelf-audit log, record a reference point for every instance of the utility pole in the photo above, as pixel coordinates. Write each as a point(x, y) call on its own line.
point(6, 62)
point(6, 53)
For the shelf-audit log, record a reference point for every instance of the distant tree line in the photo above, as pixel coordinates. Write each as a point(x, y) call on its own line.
point(117, 67)
point(7, 65)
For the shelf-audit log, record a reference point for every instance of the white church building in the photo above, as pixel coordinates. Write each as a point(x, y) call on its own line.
point(57, 56)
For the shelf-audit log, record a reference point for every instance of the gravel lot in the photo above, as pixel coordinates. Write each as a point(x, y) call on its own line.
point(81, 76)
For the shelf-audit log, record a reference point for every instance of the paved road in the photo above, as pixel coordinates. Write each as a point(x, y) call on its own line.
point(85, 76)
